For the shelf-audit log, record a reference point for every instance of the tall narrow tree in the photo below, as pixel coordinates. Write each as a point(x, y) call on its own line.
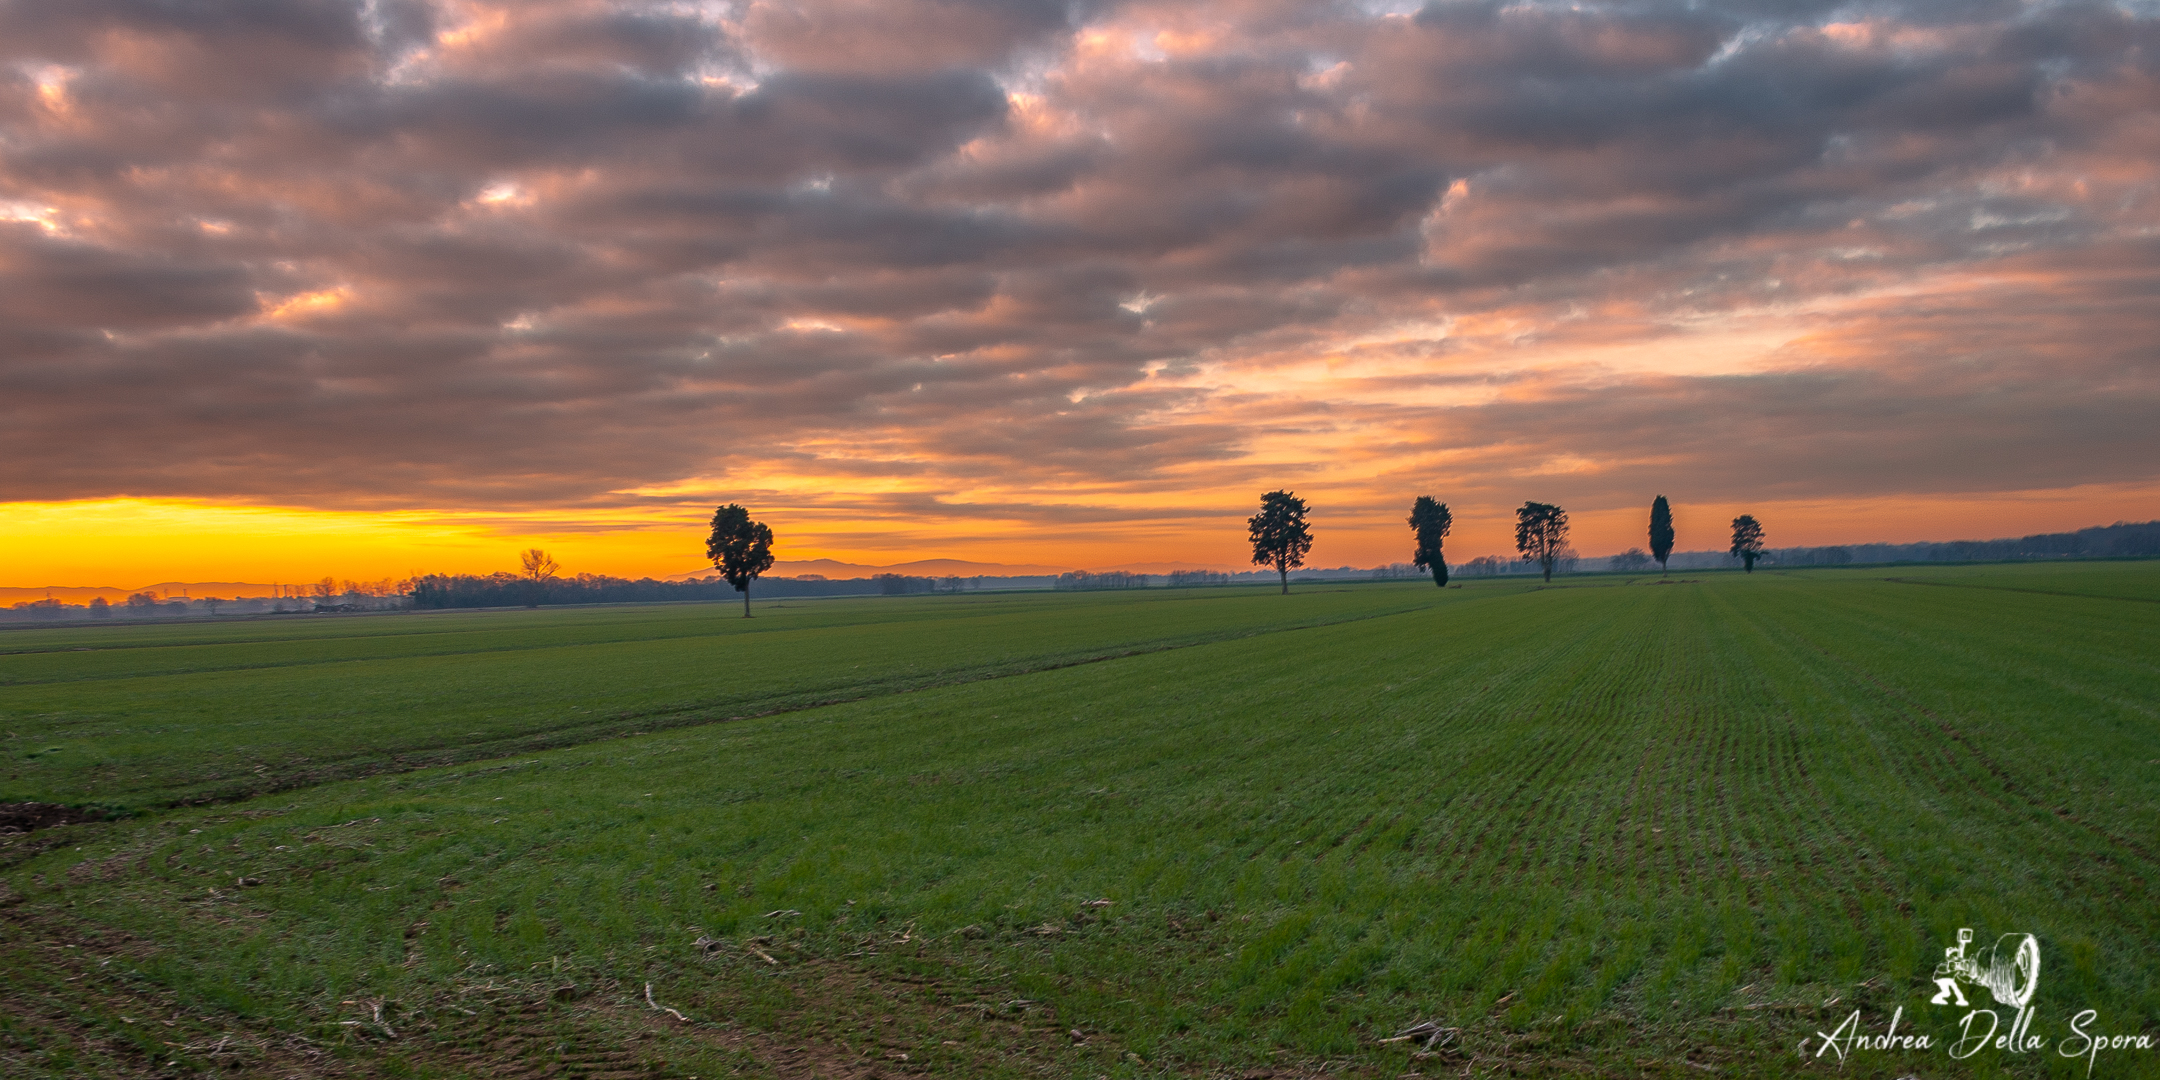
point(1430, 520)
point(740, 549)
point(1661, 534)
point(1541, 534)
point(1280, 537)
point(1747, 540)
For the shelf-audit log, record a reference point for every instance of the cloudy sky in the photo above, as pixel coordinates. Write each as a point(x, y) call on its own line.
point(376, 285)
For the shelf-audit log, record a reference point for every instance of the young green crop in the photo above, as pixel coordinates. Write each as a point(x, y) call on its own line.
point(149, 716)
point(1593, 827)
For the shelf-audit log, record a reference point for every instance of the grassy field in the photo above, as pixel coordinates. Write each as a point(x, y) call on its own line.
point(136, 716)
point(1612, 827)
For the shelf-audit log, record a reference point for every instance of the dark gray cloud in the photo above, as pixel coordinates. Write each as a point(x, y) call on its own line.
point(563, 253)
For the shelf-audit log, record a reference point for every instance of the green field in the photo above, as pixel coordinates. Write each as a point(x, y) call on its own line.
point(1613, 827)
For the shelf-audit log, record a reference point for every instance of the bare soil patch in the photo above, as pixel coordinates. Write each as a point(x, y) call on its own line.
point(23, 817)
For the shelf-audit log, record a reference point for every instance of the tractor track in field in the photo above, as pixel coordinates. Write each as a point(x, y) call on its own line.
point(664, 720)
point(462, 650)
point(630, 724)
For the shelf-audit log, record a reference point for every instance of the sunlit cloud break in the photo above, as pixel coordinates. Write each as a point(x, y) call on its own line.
point(1074, 282)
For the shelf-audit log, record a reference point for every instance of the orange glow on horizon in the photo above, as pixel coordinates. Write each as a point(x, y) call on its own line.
point(128, 543)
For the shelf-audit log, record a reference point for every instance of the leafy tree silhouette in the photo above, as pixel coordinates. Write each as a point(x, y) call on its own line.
point(739, 548)
point(1541, 534)
point(1431, 520)
point(1280, 537)
point(1747, 540)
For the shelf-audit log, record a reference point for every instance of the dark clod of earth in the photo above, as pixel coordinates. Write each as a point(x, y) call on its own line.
point(23, 817)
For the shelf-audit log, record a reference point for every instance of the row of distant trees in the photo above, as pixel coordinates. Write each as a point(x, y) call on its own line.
point(329, 593)
point(1281, 536)
point(501, 589)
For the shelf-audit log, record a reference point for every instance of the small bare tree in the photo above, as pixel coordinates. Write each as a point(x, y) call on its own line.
point(538, 565)
point(537, 568)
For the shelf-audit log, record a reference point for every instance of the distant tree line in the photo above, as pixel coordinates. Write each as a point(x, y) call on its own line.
point(516, 590)
point(1185, 579)
point(1564, 562)
point(2120, 540)
point(899, 584)
point(327, 595)
point(1108, 579)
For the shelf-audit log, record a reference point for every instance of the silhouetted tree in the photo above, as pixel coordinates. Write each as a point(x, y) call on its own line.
point(1541, 534)
point(100, 608)
point(1747, 540)
point(538, 565)
point(739, 548)
point(1661, 533)
point(1280, 537)
point(1631, 559)
point(538, 568)
point(1430, 520)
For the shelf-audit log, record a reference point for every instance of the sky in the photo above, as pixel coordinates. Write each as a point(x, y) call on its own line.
point(367, 287)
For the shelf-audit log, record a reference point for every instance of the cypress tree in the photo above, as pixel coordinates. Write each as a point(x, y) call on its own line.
point(1661, 534)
